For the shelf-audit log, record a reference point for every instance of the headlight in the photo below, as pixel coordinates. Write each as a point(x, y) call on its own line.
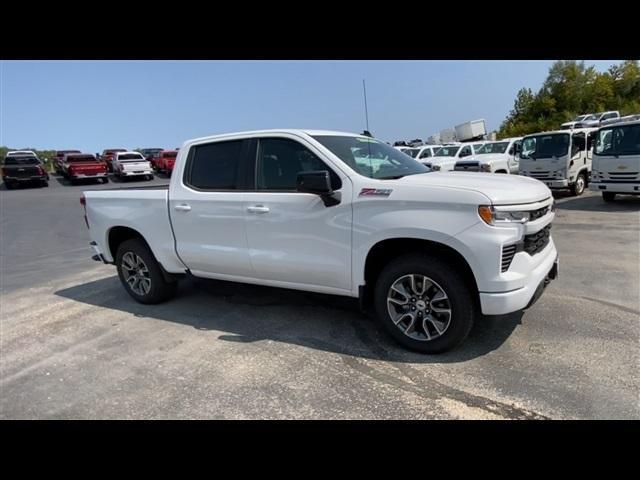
point(435, 168)
point(501, 217)
point(485, 167)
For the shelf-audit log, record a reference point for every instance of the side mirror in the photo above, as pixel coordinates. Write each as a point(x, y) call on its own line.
point(318, 183)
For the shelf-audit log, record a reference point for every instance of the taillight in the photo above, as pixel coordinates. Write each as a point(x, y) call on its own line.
point(83, 202)
point(4, 172)
point(40, 171)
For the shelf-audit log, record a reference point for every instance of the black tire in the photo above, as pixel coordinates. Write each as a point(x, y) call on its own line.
point(461, 301)
point(8, 185)
point(501, 171)
point(578, 187)
point(44, 183)
point(73, 181)
point(608, 196)
point(160, 290)
point(105, 180)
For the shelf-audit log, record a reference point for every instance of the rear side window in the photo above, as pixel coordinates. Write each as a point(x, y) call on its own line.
point(214, 166)
point(426, 153)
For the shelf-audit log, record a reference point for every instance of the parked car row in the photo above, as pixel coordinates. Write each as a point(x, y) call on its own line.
point(573, 159)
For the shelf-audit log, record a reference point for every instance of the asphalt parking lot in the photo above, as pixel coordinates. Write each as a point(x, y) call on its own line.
point(75, 345)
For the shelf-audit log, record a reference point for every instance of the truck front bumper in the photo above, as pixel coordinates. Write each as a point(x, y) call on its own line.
point(614, 187)
point(501, 303)
point(556, 183)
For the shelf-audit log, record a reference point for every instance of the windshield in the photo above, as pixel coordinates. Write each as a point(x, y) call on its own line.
point(413, 152)
point(16, 160)
point(588, 118)
point(447, 151)
point(80, 158)
point(498, 147)
point(130, 157)
point(579, 118)
point(371, 158)
point(170, 155)
point(618, 141)
point(545, 146)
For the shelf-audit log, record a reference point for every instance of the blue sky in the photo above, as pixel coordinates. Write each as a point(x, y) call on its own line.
point(93, 105)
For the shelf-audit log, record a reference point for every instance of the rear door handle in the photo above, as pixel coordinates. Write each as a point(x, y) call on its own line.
point(258, 209)
point(182, 208)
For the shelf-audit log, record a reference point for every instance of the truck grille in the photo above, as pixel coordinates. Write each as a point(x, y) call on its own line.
point(541, 175)
point(508, 252)
point(536, 214)
point(536, 242)
point(467, 167)
point(623, 177)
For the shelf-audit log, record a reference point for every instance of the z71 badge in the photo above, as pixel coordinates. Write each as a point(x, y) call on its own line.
point(375, 192)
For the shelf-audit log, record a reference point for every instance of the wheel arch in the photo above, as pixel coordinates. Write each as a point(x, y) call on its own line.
point(385, 251)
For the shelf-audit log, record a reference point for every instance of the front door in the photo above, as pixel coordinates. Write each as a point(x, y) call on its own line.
point(293, 237)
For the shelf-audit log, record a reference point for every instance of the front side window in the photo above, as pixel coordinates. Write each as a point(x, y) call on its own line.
point(280, 160)
point(370, 157)
point(623, 140)
point(214, 166)
point(496, 147)
point(545, 146)
point(426, 153)
point(466, 151)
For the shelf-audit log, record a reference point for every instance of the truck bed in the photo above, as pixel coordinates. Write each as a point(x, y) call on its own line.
point(144, 210)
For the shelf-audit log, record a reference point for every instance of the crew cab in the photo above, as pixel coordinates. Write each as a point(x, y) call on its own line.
point(59, 157)
point(108, 155)
point(428, 252)
point(21, 168)
point(84, 166)
point(446, 157)
point(131, 164)
point(561, 159)
point(493, 157)
point(165, 161)
point(616, 160)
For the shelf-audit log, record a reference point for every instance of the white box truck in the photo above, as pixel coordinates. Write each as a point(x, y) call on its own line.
point(474, 129)
point(616, 160)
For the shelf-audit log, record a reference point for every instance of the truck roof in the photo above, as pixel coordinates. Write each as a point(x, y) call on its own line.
point(575, 130)
point(293, 131)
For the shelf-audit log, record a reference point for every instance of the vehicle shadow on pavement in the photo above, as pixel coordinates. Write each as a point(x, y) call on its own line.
point(251, 313)
point(622, 203)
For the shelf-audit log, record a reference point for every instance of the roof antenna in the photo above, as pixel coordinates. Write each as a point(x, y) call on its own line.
point(366, 111)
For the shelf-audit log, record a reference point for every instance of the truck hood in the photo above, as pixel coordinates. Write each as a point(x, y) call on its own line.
point(500, 189)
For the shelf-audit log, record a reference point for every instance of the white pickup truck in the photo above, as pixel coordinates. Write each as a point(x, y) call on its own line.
point(335, 213)
point(493, 157)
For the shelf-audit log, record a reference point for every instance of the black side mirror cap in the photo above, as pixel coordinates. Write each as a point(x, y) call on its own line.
point(318, 183)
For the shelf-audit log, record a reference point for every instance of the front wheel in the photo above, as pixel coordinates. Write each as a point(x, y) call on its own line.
point(141, 274)
point(578, 187)
point(608, 196)
point(424, 304)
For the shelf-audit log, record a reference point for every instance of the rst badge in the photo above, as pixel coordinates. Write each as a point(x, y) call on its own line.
point(375, 192)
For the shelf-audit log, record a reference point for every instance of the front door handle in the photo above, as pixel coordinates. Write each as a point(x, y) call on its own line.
point(182, 208)
point(258, 209)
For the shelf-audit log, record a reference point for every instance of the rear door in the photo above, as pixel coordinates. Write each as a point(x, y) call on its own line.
point(206, 206)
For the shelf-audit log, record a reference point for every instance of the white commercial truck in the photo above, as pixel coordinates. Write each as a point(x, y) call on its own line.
point(616, 160)
point(560, 159)
point(473, 130)
point(335, 213)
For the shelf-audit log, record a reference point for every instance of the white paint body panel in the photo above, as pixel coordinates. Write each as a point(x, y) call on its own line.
point(292, 240)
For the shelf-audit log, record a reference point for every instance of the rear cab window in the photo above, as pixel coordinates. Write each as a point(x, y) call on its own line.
point(215, 166)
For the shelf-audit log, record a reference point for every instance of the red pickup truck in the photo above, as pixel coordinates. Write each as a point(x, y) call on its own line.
point(108, 154)
point(84, 166)
point(165, 161)
point(57, 161)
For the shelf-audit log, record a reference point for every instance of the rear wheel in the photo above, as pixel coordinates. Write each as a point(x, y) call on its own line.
point(578, 187)
point(44, 183)
point(608, 196)
point(141, 274)
point(9, 185)
point(424, 304)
